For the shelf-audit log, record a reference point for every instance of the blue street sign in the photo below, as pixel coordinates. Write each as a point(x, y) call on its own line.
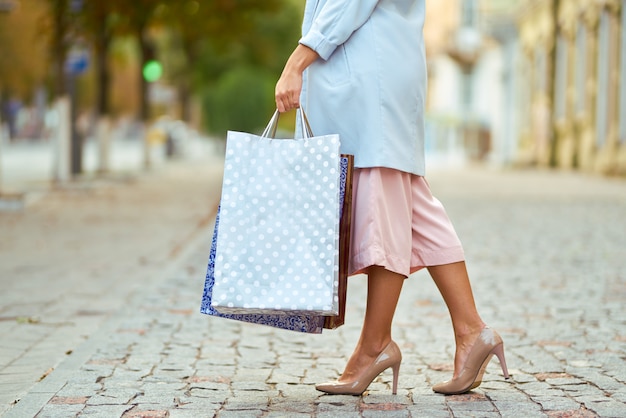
point(77, 62)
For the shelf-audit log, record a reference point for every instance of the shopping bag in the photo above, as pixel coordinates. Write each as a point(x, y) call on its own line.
point(278, 241)
point(300, 323)
point(345, 227)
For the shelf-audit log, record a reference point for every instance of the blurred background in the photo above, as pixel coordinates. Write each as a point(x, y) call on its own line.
point(97, 86)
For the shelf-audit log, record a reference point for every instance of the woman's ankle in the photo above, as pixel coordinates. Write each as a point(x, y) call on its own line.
point(372, 347)
point(468, 330)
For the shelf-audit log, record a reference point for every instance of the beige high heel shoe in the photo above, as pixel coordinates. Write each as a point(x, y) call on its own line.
point(486, 345)
point(389, 357)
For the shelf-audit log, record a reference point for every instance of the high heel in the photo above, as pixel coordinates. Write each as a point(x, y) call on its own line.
point(486, 345)
point(389, 357)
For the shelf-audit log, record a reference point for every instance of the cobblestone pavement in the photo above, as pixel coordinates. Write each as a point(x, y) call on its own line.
point(547, 256)
point(68, 261)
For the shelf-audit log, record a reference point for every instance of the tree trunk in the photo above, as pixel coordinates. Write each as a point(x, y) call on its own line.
point(59, 47)
point(185, 102)
point(184, 87)
point(147, 54)
point(104, 82)
point(101, 46)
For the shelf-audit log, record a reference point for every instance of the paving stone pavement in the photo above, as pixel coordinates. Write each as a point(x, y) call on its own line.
point(547, 255)
point(70, 258)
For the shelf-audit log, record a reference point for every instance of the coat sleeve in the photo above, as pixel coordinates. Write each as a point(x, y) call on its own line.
point(334, 24)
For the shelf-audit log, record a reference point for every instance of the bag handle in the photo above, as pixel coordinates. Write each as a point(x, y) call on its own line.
point(270, 129)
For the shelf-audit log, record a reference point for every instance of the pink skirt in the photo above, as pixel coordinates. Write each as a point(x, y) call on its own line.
point(398, 224)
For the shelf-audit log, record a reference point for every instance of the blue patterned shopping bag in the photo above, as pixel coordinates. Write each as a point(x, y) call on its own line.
point(313, 324)
point(301, 323)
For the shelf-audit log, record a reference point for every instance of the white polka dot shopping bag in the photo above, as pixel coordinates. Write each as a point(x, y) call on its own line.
point(278, 239)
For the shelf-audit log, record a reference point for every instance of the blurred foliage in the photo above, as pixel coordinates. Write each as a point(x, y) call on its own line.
point(239, 90)
point(226, 54)
point(240, 100)
point(22, 57)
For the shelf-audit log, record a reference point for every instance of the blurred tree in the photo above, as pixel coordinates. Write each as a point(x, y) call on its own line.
point(98, 21)
point(210, 36)
point(134, 18)
point(20, 72)
point(241, 100)
point(58, 25)
point(235, 69)
point(23, 59)
point(63, 33)
point(206, 40)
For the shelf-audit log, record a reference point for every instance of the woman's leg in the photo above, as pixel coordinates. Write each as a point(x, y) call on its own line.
point(383, 291)
point(453, 283)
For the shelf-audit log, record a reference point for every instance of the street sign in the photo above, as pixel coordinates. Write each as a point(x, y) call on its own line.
point(77, 62)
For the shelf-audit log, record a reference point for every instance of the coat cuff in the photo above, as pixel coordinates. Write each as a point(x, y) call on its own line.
point(318, 43)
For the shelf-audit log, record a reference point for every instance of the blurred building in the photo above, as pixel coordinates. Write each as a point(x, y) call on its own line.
point(473, 54)
point(575, 69)
point(536, 82)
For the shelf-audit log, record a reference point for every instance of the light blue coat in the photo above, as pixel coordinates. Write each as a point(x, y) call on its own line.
point(370, 84)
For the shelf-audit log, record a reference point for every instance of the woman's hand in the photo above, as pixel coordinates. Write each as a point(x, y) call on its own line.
point(288, 90)
point(289, 86)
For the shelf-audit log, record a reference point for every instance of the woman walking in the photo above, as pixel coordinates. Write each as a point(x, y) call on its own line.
point(359, 71)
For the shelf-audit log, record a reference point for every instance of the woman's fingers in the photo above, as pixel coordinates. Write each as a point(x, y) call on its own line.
point(283, 106)
point(287, 93)
point(287, 101)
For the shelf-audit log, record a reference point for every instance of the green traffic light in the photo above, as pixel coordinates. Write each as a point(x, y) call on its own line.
point(152, 71)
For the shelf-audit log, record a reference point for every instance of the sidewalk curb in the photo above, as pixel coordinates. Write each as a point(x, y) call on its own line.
point(41, 393)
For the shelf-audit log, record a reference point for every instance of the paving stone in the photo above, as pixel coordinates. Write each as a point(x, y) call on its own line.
point(213, 396)
point(164, 378)
point(104, 411)
point(220, 386)
point(346, 401)
point(139, 412)
point(519, 409)
point(60, 411)
point(298, 391)
point(279, 377)
point(619, 396)
point(419, 412)
point(605, 383)
point(539, 389)
point(578, 413)
point(388, 399)
point(250, 386)
point(460, 408)
point(556, 403)
point(367, 413)
point(117, 396)
point(288, 406)
point(604, 407)
point(248, 413)
point(566, 381)
point(207, 411)
point(159, 387)
point(336, 409)
point(76, 391)
point(163, 399)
